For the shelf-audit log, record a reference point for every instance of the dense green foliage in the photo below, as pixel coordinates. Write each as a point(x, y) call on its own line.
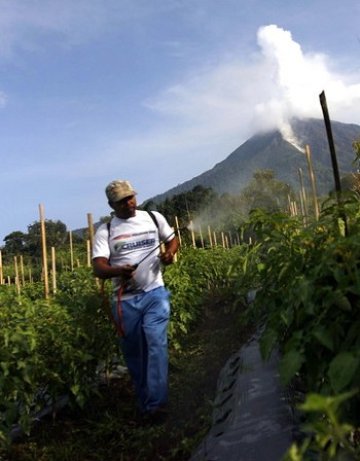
point(58, 346)
point(308, 300)
point(49, 348)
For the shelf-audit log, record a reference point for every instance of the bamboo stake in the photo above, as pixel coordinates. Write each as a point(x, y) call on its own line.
point(301, 204)
point(44, 253)
point(303, 201)
point(17, 279)
point(192, 234)
point(91, 230)
point(289, 204)
point(71, 251)
point(22, 270)
point(1, 271)
point(178, 230)
point(201, 237)
point(295, 208)
point(210, 238)
point(215, 239)
point(223, 239)
point(88, 252)
point(53, 269)
point(312, 180)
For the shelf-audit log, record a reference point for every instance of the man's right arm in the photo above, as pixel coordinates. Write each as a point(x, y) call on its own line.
point(104, 270)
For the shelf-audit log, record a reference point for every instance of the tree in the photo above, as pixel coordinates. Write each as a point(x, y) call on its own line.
point(187, 204)
point(56, 235)
point(15, 243)
point(266, 192)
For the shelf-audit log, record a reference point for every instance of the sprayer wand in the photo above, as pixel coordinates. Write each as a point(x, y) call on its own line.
point(154, 249)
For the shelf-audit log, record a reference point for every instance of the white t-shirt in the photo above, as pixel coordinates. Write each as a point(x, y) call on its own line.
point(130, 240)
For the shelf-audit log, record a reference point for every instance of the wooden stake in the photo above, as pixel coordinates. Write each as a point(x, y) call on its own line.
point(201, 238)
point(71, 251)
point(214, 239)
point(223, 239)
point(17, 279)
point(22, 274)
point(53, 269)
point(302, 197)
point(295, 208)
point(178, 230)
point(88, 252)
point(91, 230)
point(192, 234)
point(210, 238)
point(312, 181)
point(44, 253)
point(289, 204)
point(333, 158)
point(330, 141)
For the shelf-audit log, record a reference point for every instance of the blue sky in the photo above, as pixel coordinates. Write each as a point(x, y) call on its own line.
point(155, 91)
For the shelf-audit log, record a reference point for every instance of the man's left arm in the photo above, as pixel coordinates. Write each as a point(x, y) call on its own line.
point(167, 234)
point(167, 257)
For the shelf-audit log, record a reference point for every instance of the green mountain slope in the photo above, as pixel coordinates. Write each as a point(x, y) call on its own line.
point(271, 151)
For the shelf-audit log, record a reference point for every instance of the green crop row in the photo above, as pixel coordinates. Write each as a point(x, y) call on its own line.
point(50, 348)
point(308, 304)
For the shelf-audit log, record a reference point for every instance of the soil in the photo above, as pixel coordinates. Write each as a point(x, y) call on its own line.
point(109, 428)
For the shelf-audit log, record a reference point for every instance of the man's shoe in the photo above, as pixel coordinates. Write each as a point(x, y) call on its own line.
point(155, 416)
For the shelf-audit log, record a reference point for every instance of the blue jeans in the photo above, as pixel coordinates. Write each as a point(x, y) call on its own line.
point(144, 320)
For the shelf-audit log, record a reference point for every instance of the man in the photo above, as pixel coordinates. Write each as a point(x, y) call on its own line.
point(127, 251)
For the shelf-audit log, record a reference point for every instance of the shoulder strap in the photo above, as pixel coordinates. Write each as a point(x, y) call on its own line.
point(153, 217)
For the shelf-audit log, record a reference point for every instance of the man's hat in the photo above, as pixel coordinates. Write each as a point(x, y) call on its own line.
point(119, 189)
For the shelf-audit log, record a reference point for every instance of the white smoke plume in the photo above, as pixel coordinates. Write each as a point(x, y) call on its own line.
point(297, 80)
point(220, 106)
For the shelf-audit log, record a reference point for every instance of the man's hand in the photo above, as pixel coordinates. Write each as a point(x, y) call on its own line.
point(167, 257)
point(126, 272)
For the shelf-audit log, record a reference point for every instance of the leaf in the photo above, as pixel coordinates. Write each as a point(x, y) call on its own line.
point(341, 301)
point(261, 267)
point(267, 343)
point(324, 403)
point(314, 402)
point(290, 364)
point(342, 369)
point(324, 337)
